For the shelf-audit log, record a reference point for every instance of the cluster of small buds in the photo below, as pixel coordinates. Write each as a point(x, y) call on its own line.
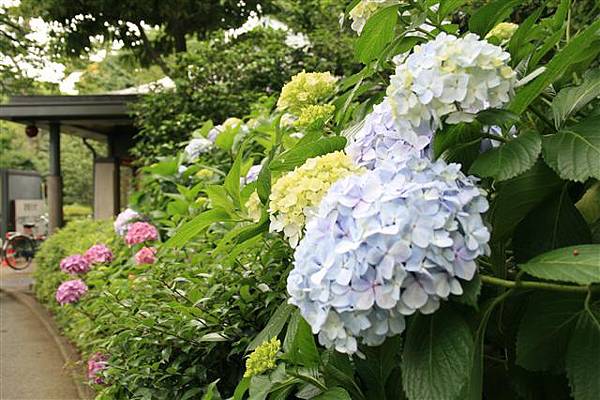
point(263, 358)
point(124, 219)
point(385, 244)
point(449, 77)
point(98, 254)
point(75, 264)
point(70, 291)
point(141, 232)
point(146, 255)
point(97, 363)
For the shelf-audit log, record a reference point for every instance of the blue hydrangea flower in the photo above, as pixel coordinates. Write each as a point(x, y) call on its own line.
point(385, 244)
point(380, 135)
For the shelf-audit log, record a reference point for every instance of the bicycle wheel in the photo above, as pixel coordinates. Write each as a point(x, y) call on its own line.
point(19, 252)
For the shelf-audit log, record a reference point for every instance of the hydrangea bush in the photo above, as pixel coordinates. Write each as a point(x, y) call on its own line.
point(425, 228)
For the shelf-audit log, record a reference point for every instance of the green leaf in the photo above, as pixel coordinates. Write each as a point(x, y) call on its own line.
point(339, 371)
point(260, 386)
point(574, 152)
point(583, 360)
point(516, 197)
point(299, 154)
point(166, 167)
point(211, 392)
point(553, 224)
point(545, 330)
point(375, 369)
point(263, 183)
point(436, 355)
point(570, 100)
point(448, 7)
point(496, 116)
point(589, 204)
point(509, 159)
point(241, 389)
point(556, 67)
point(232, 180)
point(548, 45)
point(194, 392)
point(576, 264)
point(474, 387)
point(219, 198)
point(226, 138)
point(334, 394)
point(273, 327)
point(523, 33)
point(485, 18)
point(458, 143)
point(193, 227)
point(377, 33)
point(299, 343)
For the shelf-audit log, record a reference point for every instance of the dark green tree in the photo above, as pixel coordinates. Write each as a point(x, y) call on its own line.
point(176, 20)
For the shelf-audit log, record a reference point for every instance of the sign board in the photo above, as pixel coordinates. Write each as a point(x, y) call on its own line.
point(30, 212)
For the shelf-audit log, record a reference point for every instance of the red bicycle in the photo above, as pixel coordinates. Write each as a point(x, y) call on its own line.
point(18, 249)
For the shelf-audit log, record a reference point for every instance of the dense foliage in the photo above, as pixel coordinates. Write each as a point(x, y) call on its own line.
point(457, 259)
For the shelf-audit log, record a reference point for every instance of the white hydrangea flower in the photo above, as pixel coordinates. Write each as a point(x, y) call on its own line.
point(196, 147)
point(379, 136)
point(385, 244)
point(449, 77)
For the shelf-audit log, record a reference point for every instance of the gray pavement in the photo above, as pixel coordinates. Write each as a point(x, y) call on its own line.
point(31, 363)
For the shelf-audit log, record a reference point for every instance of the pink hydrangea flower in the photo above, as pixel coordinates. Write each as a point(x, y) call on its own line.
point(140, 232)
point(70, 291)
point(95, 365)
point(146, 255)
point(98, 254)
point(75, 264)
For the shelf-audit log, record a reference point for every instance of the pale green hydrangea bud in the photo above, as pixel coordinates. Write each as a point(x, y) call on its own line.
point(263, 358)
point(503, 31)
point(305, 88)
point(314, 113)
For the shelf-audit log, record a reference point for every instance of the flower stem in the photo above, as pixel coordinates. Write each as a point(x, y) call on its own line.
point(491, 280)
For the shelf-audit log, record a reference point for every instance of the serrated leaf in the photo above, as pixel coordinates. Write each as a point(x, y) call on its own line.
point(458, 143)
point(509, 159)
point(556, 67)
point(436, 355)
point(570, 100)
point(516, 197)
point(196, 225)
point(376, 34)
point(555, 223)
point(589, 204)
point(334, 394)
point(486, 17)
point(299, 154)
point(273, 327)
point(574, 152)
point(374, 371)
point(299, 343)
point(544, 330)
point(583, 357)
point(576, 264)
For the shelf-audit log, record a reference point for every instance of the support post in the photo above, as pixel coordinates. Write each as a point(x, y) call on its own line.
point(107, 184)
point(54, 181)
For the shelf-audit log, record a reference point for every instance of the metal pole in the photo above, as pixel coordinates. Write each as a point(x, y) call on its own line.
point(54, 180)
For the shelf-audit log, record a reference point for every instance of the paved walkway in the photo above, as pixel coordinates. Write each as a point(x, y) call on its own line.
point(31, 363)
